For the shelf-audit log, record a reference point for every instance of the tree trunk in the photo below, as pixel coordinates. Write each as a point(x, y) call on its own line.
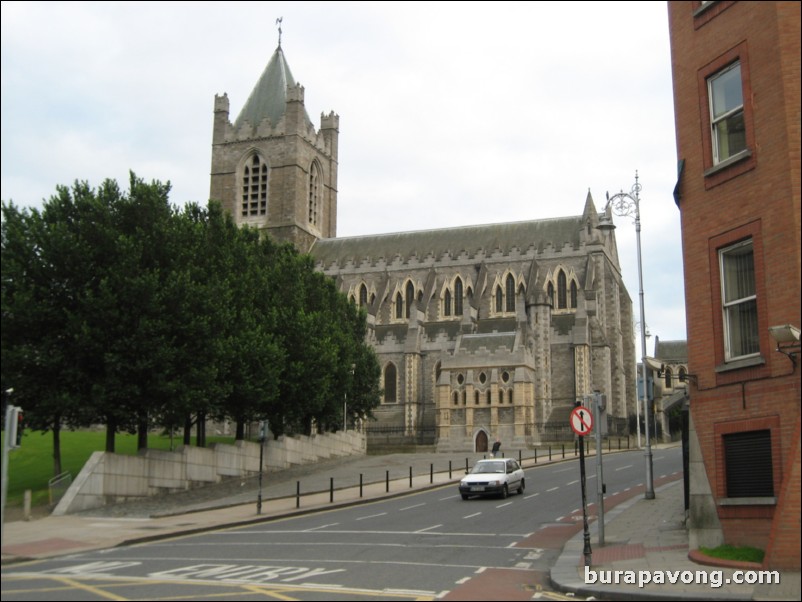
point(201, 430)
point(188, 430)
point(240, 429)
point(142, 431)
point(111, 428)
point(56, 445)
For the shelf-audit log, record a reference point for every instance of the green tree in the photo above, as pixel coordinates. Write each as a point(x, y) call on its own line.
point(119, 309)
point(253, 354)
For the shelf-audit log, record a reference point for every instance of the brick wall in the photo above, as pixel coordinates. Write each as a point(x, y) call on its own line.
point(756, 197)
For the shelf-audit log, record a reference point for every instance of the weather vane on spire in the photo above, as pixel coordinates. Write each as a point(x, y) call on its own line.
point(278, 22)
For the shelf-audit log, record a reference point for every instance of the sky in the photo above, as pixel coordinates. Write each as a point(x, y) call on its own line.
point(451, 114)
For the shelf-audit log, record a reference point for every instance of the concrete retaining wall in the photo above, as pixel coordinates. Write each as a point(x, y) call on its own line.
point(111, 478)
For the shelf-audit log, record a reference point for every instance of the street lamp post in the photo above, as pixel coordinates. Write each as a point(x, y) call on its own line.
point(626, 204)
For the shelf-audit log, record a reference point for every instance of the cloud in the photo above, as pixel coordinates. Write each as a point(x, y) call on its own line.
point(448, 117)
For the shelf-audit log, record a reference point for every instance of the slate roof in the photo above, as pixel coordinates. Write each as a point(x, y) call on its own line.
point(454, 241)
point(671, 351)
point(269, 97)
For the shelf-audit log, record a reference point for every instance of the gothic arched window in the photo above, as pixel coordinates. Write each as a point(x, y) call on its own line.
point(254, 187)
point(499, 300)
point(573, 294)
point(447, 303)
point(561, 291)
point(668, 378)
point(550, 292)
point(510, 293)
point(458, 297)
point(390, 384)
point(314, 194)
point(399, 306)
point(363, 295)
point(410, 297)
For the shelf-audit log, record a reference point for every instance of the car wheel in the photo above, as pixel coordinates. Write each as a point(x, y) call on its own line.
point(465, 496)
point(522, 487)
point(505, 492)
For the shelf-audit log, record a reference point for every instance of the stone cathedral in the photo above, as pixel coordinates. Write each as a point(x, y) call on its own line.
point(482, 332)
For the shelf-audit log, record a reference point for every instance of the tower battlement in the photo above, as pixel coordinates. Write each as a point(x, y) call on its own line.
point(295, 93)
point(221, 102)
point(330, 121)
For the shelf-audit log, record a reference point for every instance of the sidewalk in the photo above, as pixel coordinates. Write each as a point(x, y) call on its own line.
point(640, 534)
point(650, 535)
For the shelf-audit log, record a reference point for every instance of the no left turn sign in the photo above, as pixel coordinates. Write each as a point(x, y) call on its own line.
point(581, 421)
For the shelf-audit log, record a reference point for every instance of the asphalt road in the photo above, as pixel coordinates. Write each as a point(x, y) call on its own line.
point(425, 545)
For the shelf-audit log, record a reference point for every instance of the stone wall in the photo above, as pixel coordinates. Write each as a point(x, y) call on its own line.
point(111, 478)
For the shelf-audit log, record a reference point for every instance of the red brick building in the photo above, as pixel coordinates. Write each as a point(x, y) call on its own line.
point(736, 72)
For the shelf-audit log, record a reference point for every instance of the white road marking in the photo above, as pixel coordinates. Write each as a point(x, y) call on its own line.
point(321, 527)
point(371, 516)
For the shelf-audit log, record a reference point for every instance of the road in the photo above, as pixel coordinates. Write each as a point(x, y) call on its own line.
point(423, 546)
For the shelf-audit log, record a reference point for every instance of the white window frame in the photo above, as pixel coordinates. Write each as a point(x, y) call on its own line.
point(725, 116)
point(730, 307)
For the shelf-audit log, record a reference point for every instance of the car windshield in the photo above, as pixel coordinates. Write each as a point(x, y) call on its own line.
point(486, 467)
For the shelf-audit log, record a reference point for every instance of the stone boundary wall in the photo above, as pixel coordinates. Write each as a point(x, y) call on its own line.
point(108, 478)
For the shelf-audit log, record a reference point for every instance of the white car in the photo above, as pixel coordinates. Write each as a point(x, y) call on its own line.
point(493, 477)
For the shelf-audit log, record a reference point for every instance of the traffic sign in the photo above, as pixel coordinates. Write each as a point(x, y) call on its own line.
point(581, 421)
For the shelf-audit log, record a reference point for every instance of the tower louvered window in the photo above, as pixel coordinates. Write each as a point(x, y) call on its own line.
point(254, 187)
point(314, 194)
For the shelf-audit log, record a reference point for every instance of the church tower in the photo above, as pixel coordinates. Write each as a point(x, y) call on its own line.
point(271, 169)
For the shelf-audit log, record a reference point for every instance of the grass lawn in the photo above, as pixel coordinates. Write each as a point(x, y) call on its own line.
point(734, 553)
point(31, 465)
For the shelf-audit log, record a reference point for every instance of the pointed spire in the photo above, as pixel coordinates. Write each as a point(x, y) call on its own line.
point(268, 99)
point(590, 206)
point(589, 214)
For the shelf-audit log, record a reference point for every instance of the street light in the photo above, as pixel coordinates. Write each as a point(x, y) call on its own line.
point(628, 204)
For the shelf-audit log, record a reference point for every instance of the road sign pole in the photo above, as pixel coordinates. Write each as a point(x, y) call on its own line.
point(597, 400)
point(582, 423)
point(262, 428)
point(586, 550)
